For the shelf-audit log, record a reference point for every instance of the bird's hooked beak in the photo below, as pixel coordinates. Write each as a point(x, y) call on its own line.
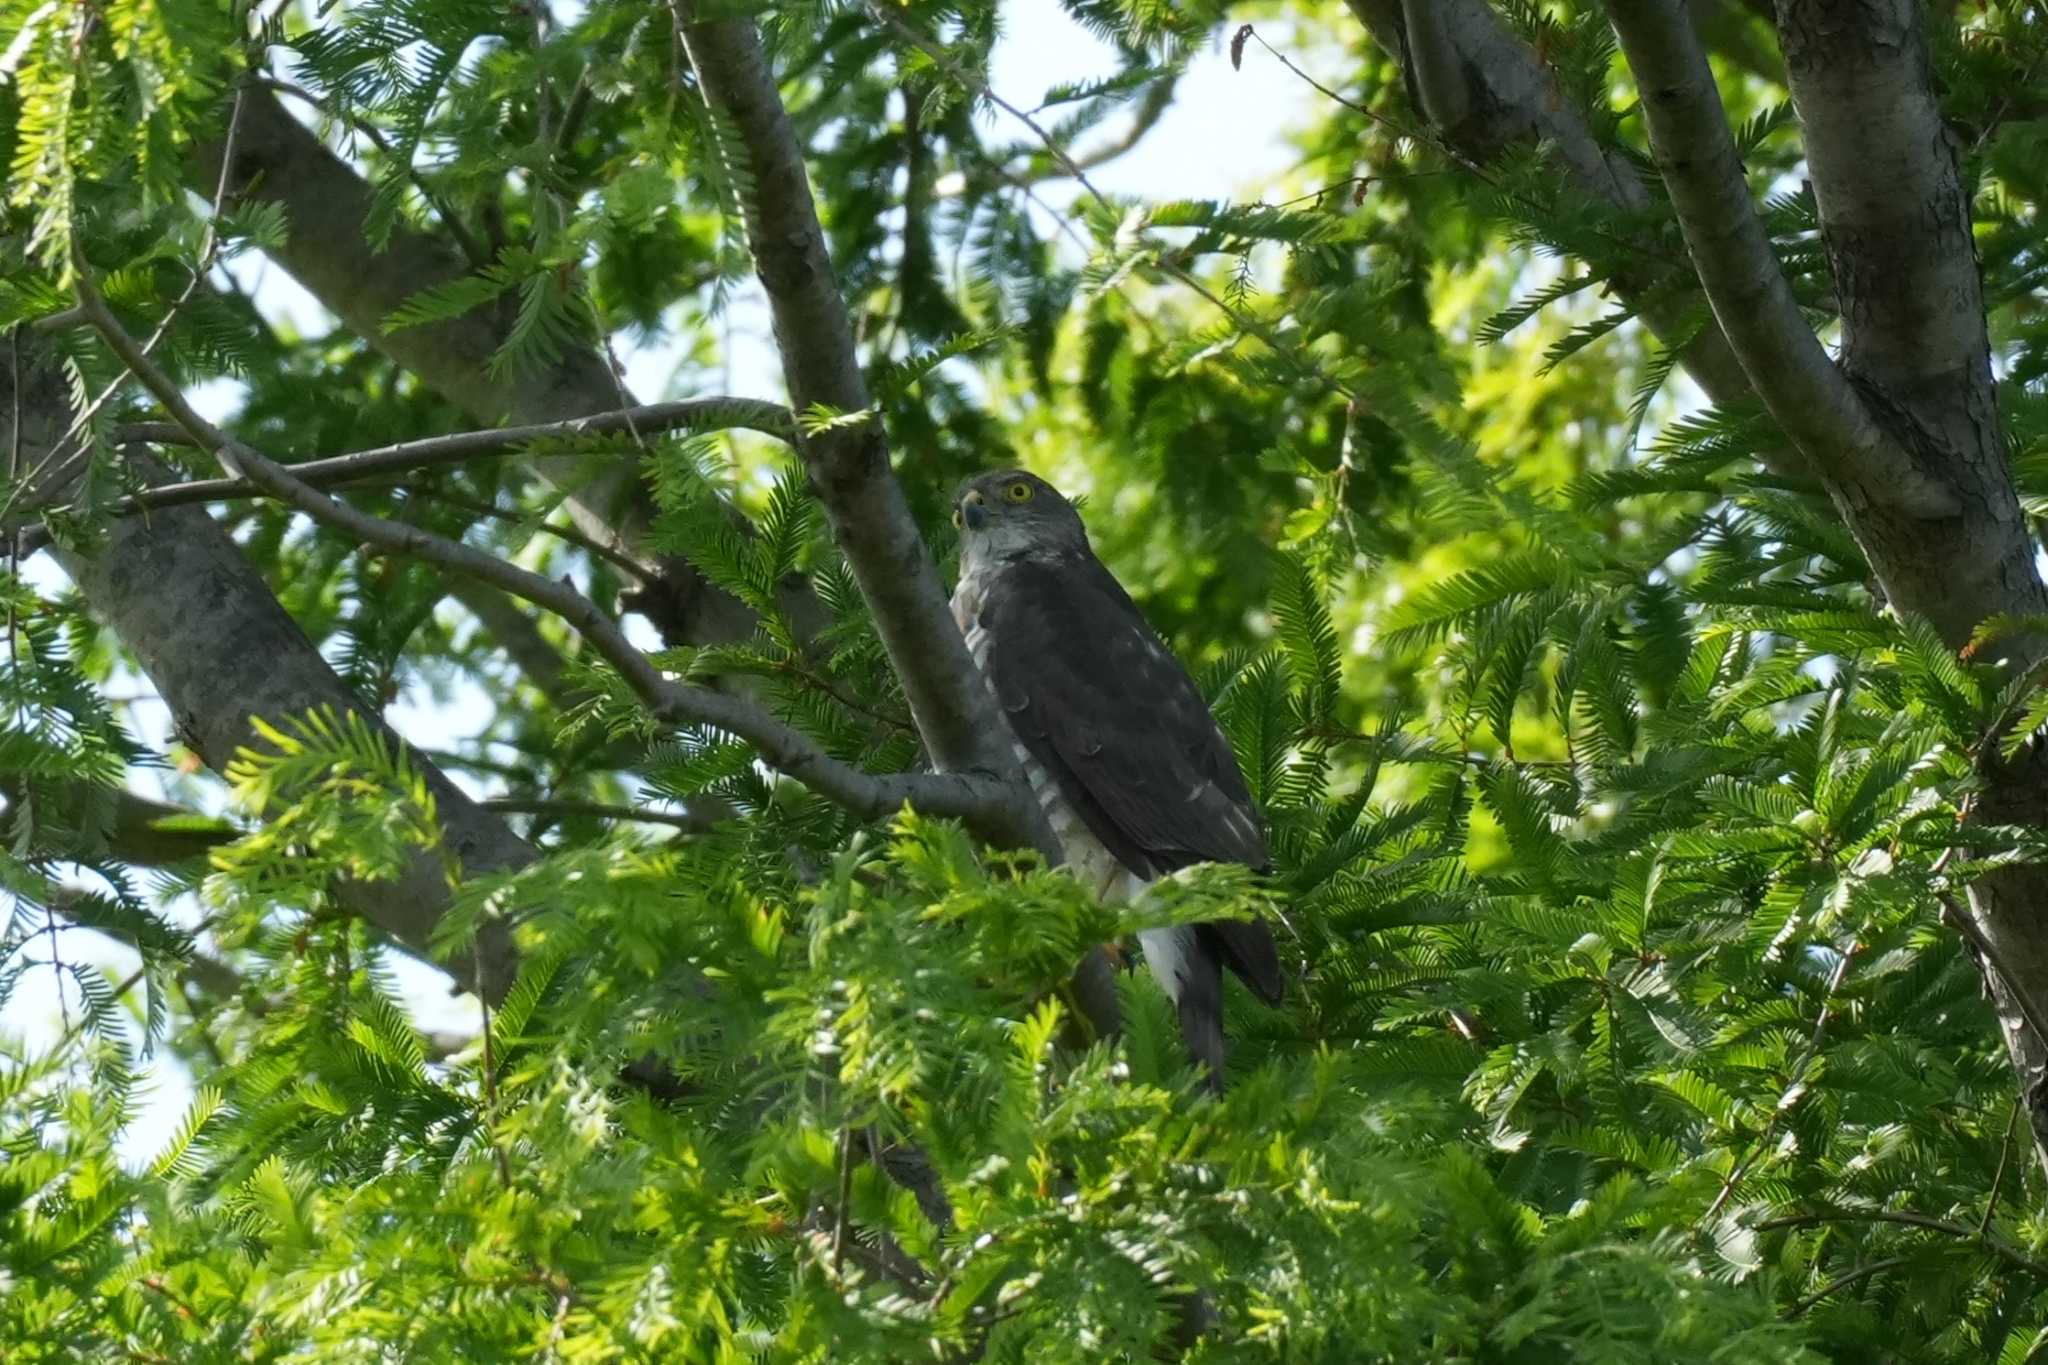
point(973, 509)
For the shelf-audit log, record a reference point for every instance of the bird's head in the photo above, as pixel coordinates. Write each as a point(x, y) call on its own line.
point(1011, 514)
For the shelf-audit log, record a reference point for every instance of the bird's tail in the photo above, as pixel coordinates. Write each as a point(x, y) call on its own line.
point(1201, 1011)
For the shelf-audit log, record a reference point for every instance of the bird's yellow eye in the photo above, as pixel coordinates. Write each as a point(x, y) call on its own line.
point(1018, 492)
point(956, 518)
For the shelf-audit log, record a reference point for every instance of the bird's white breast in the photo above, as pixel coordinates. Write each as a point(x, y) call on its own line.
point(1086, 856)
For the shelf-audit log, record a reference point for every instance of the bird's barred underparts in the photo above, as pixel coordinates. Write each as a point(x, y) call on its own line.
point(1119, 745)
point(1166, 951)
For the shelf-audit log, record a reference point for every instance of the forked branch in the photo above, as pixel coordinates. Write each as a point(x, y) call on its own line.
point(848, 461)
point(1786, 364)
point(991, 806)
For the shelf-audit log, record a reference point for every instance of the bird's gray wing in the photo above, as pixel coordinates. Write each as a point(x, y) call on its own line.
point(1106, 709)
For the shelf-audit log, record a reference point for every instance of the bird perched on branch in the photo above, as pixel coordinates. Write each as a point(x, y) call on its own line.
point(1134, 776)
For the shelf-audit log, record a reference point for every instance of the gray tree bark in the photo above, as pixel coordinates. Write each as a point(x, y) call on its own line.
point(1906, 434)
point(1484, 92)
point(220, 650)
point(178, 592)
point(1896, 220)
point(328, 249)
point(848, 464)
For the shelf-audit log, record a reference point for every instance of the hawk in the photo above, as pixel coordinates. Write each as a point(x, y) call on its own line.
point(1130, 768)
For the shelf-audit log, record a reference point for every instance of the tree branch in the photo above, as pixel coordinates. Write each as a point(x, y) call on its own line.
point(1799, 384)
point(1152, 106)
point(1730, 30)
point(278, 161)
point(848, 462)
point(1244, 321)
point(1893, 209)
point(995, 808)
point(507, 623)
point(1486, 91)
point(1433, 59)
point(694, 414)
point(220, 650)
point(328, 250)
point(1510, 98)
point(140, 832)
point(1896, 219)
point(568, 535)
point(1843, 1281)
point(1907, 1218)
point(953, 707)
point(451, 221)
point(695, 822)
point(1895, 215)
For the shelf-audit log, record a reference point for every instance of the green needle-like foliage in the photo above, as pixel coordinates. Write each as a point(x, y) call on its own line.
point(1620, 826)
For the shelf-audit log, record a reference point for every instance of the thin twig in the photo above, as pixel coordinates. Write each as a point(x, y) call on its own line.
point(1157, 100)
point(209, 250)
point(1431, 135)
point(841, 1214)
point(1354, 106)
point(771, 419)
point(573, 115)
point(968, 81)
point(155, 1284)
point(193, 1007)
point(1998, 1246)
point(490, 1066)
point(1964, 923)
point(1998, 1178)
point(520, 805)
point(960, 76)
point(57, 962)
point(62, 321)
point(546, 210)
point(795, 668)
point(1841, 1282)
point(72, 1030)
point(448, 758)
point(612, 367)
point(472, 250)
point(1798, 1079)
point(2005, 104)
point(1960, 919)
point(619, 560)
point(887, 1260)
point(14, 546)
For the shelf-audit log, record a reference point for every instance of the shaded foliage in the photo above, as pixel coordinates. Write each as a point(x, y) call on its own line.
point(1612, 817)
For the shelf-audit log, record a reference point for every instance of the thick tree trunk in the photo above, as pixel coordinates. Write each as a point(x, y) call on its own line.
point(1896, 219)
point(220, 649)
point(1914, 460)
point(1906, 433)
